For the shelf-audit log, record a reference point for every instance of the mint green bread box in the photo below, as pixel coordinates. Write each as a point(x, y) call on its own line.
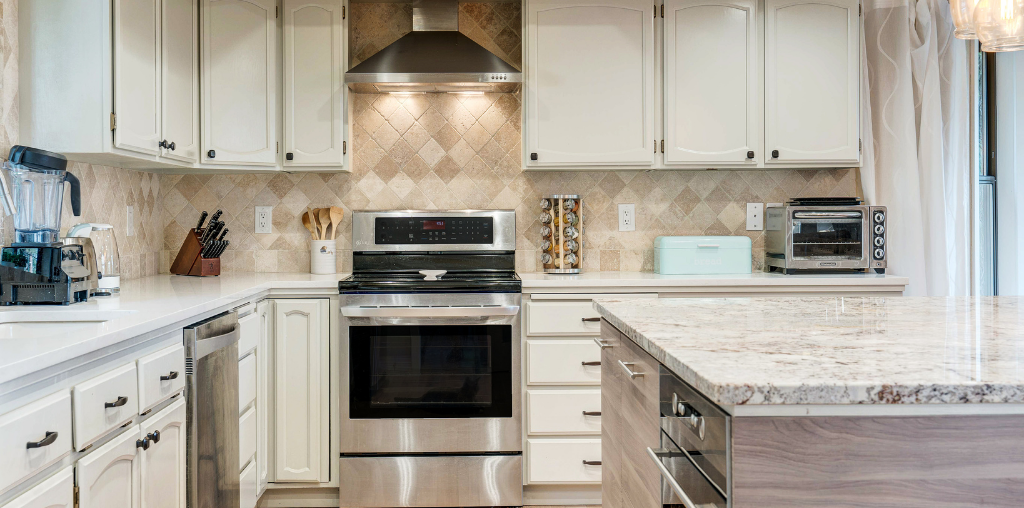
point(702, 255)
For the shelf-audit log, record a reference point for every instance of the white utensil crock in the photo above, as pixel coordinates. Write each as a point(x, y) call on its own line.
point(323, 257)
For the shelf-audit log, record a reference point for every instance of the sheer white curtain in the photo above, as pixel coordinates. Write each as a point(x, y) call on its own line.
point(916, 108)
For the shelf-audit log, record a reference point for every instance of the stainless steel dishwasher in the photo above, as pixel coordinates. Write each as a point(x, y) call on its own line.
point(211, 387)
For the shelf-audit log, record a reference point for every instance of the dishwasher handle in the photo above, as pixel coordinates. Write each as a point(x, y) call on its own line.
point(209, 345)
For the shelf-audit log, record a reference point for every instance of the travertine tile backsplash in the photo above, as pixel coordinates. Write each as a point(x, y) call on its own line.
point(106, 191)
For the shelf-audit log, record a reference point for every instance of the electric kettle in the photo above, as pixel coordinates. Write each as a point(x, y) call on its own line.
point(107, 260)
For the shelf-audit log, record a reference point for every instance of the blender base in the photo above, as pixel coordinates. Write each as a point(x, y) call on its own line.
point(43, 275)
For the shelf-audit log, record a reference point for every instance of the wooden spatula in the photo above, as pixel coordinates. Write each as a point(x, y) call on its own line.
point(336, 215)
point(308, 222)
point(314, 218)
point(325, 221)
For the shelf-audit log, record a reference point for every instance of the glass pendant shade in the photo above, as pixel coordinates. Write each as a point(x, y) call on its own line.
point(1000, 24)
point(963, 18)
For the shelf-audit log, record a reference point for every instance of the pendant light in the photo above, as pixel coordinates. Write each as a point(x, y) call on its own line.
point(1000, 24)
point(963, 18)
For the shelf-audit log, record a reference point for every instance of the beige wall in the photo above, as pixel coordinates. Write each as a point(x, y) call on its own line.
point(106, 191)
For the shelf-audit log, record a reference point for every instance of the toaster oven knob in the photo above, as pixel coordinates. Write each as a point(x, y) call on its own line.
point(879, 241)
point(879, 217)
point(879, 229)
point(879, 253)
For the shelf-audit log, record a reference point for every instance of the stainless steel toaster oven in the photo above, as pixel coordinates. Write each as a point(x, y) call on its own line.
point(825, 234)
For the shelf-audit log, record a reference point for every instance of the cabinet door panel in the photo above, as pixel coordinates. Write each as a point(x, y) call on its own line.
point(265, 312)
point(313, 88)
point(711, 82)
point(163, 464)
point(300, 327)
point(239, 78)
point(590, 82)
point(108, 476)
point(812, 80)
point(180, 78)
point(58, 491)
point(137, 75)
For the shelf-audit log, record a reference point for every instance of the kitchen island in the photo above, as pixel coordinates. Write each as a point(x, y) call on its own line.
point(823, 401)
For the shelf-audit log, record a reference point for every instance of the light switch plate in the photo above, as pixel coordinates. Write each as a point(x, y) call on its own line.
point(130, 221)
point(627, 217)
point(264, 220)
point(755, 216)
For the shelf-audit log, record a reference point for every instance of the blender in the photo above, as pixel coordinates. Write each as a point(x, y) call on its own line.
point(38, 268)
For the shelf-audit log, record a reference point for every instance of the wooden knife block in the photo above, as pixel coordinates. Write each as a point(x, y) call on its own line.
point(190, 262)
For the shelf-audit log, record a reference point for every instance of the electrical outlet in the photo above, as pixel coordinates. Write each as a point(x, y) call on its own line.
point(627, 217)
point(755, 216)
point(130, 220)
point(264, 219)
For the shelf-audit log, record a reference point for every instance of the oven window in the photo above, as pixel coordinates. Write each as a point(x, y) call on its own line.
point(827, 239)
point(456, 371)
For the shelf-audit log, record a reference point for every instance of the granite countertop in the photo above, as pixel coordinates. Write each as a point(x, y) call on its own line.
point(835, 350)
point(533, 280)
point(158, 302)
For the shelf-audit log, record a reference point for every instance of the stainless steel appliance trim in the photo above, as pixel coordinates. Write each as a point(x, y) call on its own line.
point(430, 312)
point(504, 231)
point(828, 215)
point(629, 371)
point(431, 15)
point(431, 481)
point(209, 345)
point(667, 476)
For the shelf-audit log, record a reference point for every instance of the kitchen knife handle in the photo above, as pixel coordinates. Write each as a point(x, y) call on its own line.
point(216, 216)
point(223, 234)
point(202, 220)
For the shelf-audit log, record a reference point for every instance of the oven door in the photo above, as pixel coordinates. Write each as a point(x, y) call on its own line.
point(821, 238)
point(438, 374)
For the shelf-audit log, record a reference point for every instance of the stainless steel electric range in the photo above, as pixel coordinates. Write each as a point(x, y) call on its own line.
point(430, 355)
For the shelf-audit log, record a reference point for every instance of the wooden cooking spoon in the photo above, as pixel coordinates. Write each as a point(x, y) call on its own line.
point(325, 220)
point(307, 221)
point(314, 218)
point(336, 215)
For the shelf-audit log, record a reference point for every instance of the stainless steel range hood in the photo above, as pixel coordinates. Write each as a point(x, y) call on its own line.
point(434, 57)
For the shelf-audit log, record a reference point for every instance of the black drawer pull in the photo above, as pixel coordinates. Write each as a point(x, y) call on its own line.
point(591, 320)
point(591, 462)
point(142, 443)
point(591, 364)
point(46, 441)
point(154, 436)
point(750, 154)
point(591, 413)
point(775, 154)
point(117, 403)
point(171, 375)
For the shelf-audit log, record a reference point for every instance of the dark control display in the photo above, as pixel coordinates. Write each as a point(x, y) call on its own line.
point(443, 230)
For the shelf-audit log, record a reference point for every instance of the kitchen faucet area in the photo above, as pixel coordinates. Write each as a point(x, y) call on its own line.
point(511, 253)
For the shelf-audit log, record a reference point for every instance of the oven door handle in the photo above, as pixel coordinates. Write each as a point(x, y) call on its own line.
point(827, 215)
point(667, 475)
point(429, 312)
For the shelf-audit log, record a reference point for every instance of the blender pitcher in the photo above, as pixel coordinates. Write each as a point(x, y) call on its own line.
point(35, 192)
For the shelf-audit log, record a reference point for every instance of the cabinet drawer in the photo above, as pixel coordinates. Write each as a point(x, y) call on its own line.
point(248, 489)
point(561, 460)
point(561, 412)
point(104, 403)
point(246, 382)
point(566, 317)
point(560, 362)
point(248, 334)
point(56, 492)
point(247, 437)
point(47, 424)
point(161, 375)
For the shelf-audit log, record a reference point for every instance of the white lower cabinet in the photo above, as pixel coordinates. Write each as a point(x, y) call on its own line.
point(109, 476)
point(563, 412)
point(58, 491)
point(163, 462)
point(265, 321)
point(46, 425)
point(248, 488)
point(563, 460)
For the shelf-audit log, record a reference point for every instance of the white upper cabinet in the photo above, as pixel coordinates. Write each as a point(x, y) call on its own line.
point(314, 56)
point(137, 52)
point(589, 87)
point(180, 80)
point(812, 81)
point(239, 82)
point(712, 103)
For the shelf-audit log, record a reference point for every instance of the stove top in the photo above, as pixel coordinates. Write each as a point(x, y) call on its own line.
point(500, 282)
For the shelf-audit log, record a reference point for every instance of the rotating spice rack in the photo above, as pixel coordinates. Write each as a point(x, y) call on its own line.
point(562, 242)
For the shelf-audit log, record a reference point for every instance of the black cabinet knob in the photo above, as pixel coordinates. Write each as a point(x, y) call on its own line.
point(162, 143)
point(533, 156)
point(171, 146)
point(142, 443)
point(154, 436)
point(775, 154)
point(212, 154)
point(289, 156)
point(750, 154)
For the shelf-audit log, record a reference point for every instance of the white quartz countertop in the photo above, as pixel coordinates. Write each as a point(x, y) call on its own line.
point(646, 279)
point(835, 350)
point(158, 302)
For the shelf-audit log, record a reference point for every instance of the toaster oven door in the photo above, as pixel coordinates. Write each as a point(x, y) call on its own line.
point(825, 235)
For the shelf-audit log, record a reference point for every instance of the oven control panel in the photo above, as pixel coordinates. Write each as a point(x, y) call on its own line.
point(433, 230)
